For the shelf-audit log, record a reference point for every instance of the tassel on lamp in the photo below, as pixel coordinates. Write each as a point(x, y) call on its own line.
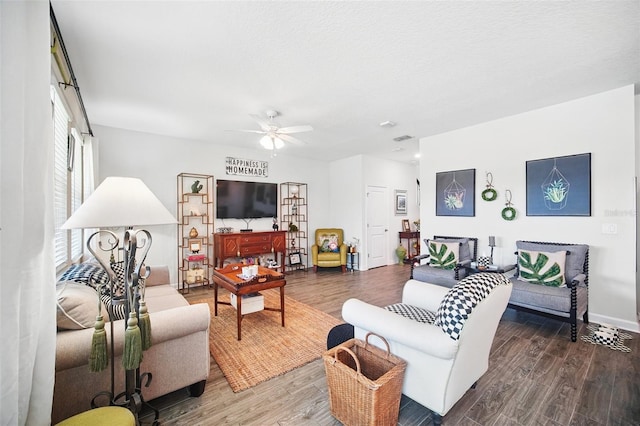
point(98, 358)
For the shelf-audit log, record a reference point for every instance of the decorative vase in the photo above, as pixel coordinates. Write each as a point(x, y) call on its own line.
point(401, 252)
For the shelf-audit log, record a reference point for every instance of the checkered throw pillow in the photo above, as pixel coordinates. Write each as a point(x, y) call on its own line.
point(86, 273)
point(118, 269)
point(459, 302)
point(412, 312)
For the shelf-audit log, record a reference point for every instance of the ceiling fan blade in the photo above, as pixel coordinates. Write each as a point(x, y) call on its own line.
point(247, 131)
point(264, 124)
point(295, 129)
point(291, 139)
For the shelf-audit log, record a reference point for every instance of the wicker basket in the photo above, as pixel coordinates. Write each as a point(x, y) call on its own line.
point(365, 383)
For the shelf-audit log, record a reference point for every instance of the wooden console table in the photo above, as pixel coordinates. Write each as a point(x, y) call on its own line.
point(243, 244)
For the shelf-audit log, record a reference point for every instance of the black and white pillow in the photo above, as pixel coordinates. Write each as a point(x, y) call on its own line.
point(459, 302)
point(118, 285)
point(86, 273)
point(412, 312)
point(116, 307)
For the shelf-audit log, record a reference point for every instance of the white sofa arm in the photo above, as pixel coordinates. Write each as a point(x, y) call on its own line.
point(423, 295)
point(423, 337)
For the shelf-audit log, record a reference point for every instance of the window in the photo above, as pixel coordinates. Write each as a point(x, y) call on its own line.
point(68, 179)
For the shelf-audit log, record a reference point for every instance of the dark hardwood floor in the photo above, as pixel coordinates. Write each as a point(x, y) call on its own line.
point(536, 375)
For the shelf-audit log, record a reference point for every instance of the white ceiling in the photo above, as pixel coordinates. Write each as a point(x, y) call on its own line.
point(194, 69)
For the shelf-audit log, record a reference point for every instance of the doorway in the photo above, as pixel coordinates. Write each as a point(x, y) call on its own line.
point(377, 226)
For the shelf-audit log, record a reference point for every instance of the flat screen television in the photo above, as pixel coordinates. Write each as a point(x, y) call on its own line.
point(246, 200)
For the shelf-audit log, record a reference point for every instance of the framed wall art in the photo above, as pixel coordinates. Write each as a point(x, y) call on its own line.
point(559, 186)
point(406, 226)
point(455, 193)
point(401, 202)
point(294, 258)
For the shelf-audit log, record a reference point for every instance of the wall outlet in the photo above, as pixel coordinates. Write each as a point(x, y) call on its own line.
point(609, 228)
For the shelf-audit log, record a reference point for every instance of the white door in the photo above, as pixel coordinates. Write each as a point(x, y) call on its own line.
point(377, 228)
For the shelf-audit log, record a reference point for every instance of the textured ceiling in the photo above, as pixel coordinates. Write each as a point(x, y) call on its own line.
point(194, 70)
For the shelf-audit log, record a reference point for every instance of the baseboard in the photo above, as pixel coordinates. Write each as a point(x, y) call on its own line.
point(620, 323)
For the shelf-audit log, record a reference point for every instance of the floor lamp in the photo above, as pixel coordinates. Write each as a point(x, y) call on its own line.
point(122, 202)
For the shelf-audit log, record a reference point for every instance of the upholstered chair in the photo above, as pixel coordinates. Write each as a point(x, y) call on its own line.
point(534, 293)
point(329, 249)
point(445, 335)
point(434, 270)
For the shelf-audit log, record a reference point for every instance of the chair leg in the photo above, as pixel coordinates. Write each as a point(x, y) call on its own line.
point(437, 419)
point(344, 268)
point(574, 332)
point(315, 268)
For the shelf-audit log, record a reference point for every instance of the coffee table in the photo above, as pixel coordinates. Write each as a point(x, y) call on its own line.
point(230, 277)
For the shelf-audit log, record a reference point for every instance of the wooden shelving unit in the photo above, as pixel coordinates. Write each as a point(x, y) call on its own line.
point(294, 220)
point(195, 230)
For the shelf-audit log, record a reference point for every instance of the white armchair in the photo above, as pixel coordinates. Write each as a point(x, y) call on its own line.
point(440, 368)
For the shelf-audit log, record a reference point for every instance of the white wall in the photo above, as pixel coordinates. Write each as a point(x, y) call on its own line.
point(350, 178)
point(157, 160)
point(601, 124)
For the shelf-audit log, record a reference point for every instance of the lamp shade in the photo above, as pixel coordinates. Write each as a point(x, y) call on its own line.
point(120, 202)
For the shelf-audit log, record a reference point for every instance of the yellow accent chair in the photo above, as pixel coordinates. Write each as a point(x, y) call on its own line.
point(102, 416)
point(329, 249)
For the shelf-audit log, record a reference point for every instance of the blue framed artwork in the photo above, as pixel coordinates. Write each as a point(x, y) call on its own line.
point(559, 186)
point(455, 193)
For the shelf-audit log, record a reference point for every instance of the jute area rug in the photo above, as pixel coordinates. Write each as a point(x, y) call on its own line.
point(267, 349)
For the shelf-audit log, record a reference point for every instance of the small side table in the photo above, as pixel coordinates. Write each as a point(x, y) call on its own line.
point(411, 250)
point(353, 261)
point(473, 268)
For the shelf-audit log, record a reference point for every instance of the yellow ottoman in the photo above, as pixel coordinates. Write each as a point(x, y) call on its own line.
point(102, 416)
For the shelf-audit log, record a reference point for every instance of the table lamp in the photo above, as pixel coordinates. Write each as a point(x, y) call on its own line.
point(492, 244)
point(123, 202)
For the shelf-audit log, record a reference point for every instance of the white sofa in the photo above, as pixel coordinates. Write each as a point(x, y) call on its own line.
point(178, 358)
point(440, 369)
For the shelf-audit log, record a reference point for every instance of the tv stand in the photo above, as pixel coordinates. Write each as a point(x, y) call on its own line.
point(241, 244)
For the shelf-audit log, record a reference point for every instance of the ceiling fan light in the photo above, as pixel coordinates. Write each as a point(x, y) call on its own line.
point(266, 142)
point(278, 143)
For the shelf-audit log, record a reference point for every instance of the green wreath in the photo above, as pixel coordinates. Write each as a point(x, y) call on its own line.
point(489, 194)
point(508, 213)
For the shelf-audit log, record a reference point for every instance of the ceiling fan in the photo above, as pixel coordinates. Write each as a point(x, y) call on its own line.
point(274, 136)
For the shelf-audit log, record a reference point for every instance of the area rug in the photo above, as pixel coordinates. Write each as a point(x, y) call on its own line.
point(267, 349)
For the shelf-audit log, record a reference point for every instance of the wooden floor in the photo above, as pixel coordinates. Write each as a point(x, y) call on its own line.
point(536, 375)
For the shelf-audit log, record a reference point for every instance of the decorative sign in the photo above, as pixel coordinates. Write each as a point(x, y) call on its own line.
point(245, 167)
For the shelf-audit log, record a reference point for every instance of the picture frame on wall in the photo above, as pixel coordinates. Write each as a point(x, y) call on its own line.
point(406, 226)
point(400, 202)
point(294, 258)
point(455, 193)
point(559, 186)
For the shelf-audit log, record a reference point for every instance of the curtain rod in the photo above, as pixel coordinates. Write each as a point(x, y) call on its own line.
point(74, 82)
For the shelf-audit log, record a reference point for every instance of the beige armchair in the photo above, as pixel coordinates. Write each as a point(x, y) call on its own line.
point(329, 249)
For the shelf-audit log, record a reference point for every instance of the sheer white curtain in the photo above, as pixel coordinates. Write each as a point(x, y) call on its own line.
point(27, 275)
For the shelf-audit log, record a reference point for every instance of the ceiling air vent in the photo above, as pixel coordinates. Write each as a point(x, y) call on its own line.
point(402, 138)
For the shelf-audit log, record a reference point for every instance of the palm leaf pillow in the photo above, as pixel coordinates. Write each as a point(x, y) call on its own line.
point(443, 255)
point(540, 267)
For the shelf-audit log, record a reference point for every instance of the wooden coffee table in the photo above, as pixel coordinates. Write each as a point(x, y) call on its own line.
point(230, 278)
